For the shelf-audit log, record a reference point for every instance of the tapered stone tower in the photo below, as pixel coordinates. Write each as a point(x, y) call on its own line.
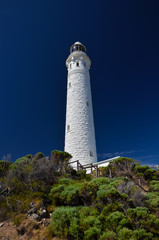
point(79, 130)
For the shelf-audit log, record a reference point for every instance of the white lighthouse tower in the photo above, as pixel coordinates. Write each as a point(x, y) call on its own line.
point(79, 130)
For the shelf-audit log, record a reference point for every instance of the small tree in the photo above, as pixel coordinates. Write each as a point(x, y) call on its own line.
point(60, 160)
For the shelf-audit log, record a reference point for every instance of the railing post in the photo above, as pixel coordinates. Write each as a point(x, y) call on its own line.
point(97, 171)
point(77, 165)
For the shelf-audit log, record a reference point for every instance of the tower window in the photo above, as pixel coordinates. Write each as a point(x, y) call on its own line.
point(91, 153)
point(70, 65)
point(68, 127)
point(69, 84)
point(87, 103)
point(84, 64)
point(77, 64)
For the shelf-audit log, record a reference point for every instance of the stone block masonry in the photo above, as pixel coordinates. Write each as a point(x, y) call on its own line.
point(79, 129)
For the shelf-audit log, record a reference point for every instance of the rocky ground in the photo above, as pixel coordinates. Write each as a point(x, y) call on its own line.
point(29, 230)
point(34, 226)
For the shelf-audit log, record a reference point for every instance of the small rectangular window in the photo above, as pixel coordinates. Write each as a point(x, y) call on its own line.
point(69, 84)
point(87, 103)
point(70, 65)
point(68, 127)
point(91, 154)
point(84, 64)
point(77, 64)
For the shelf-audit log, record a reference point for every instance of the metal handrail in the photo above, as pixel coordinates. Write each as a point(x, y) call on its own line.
point(73, 162)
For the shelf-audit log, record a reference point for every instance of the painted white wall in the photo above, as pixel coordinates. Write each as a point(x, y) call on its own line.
point(79, 129)
point(106, 162)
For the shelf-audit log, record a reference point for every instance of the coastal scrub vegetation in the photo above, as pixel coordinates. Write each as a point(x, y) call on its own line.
point(122, 203)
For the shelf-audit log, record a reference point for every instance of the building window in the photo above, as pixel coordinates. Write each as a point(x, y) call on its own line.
point(68, 127)
point(87, 103)
point(91, 154)
point(84, 64)
point(69, 84)
point(77, 64)
point(70, 65)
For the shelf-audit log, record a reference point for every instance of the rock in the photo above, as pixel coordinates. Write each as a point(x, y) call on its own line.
point(32, 205)
point(139, 198)
point(21, 231)
point(126, 187)
point(32, 210)
point(1, 224)
point(43, 213)
point(36, 217)
point(133, 192)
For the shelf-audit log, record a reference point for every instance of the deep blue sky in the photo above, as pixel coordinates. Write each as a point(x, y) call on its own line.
point(122, 40)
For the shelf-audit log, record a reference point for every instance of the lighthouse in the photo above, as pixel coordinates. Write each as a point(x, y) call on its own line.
point(79, 129)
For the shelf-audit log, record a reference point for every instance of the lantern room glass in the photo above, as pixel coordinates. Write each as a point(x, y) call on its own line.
point(78, 47)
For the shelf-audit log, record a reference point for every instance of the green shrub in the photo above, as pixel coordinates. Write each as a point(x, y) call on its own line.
point(138, 213)
point(125, 234)
point(65, 181)
point(39, 155)
point(74, 228)
point(60, 161)
point(92, 233)
point(151, 224)
point(141, 234)
point(141, 217)
point(88, 222)
point(25, 159)
point(124, 160)
point(4, 167)
point(155, 185)
point(100, 181)
point(87, 211)
point(117, 220)
point(81, 174)
point(88, 192)
point(107, 195)
point(110, 208)
point(70, 195)
point(145, 171)
point(59, 155)
point(62, 221)
point(55, 193)
point(109, 235)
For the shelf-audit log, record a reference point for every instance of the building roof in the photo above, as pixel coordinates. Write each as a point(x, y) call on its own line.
point(105, 161)
point(77, 43)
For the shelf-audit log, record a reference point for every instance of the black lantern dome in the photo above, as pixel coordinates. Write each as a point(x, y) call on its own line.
point(77, 46)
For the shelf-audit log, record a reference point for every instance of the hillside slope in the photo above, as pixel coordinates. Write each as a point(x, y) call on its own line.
point(44, 198)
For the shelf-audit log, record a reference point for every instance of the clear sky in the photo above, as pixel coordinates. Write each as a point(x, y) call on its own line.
point(122, 40)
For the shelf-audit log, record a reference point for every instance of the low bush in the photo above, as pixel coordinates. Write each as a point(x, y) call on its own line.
point(64, 220)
